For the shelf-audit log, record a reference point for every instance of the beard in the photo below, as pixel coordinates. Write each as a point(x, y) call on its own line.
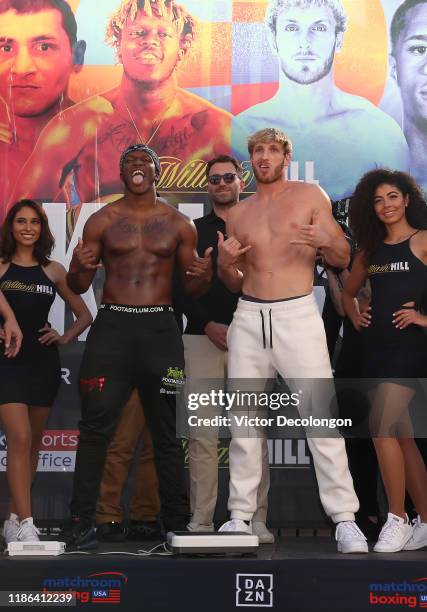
point(275, 176)
point(151, 84)
point(229, 200)
point(305, 75)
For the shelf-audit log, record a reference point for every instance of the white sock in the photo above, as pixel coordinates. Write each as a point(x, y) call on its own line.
point(14, 517)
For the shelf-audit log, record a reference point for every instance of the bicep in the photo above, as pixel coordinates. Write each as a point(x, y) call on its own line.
point(186, 251)
point(92, 234)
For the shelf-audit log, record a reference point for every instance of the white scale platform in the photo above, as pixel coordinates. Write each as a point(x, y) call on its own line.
point(185, 542)
point(35, 549)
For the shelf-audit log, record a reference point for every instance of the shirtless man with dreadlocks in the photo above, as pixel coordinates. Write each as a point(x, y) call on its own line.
point(152, 39)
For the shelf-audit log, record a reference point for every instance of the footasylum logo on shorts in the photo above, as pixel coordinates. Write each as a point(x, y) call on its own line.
point(174, 378)
point(254, 590)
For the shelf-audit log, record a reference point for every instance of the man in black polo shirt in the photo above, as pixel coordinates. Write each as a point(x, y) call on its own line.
point(205, 345)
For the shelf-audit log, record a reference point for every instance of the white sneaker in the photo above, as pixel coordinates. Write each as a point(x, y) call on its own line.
point(10, 529)
point(264, 536)
point(197, 527)
point(350, 539)
point(28, 532)
point(418, 538)
point(394, 535)
point(236, 525)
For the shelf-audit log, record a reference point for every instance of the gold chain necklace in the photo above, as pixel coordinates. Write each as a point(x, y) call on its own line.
point(156, 129)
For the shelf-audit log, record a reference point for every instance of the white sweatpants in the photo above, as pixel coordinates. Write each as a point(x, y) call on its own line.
point(298, 351)
point(205, 363)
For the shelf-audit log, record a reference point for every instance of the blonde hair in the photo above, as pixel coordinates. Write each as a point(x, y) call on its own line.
point(270, 135)
point(185, 23)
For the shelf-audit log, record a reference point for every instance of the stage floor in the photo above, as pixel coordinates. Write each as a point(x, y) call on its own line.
point(294, 574)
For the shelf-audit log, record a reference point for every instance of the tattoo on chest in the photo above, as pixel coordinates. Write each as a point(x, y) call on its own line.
point(175, 140)
point(128, 228)
point(154, 225)
point(150, 227)
point(120, 135)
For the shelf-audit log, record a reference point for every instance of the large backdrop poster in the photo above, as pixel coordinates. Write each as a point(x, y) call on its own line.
point(194, 80)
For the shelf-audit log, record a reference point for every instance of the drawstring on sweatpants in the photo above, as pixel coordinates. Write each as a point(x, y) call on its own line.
point(271, 330)
point(263, 329)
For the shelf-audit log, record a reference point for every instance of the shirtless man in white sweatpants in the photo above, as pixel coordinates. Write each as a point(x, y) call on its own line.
point(269, 255)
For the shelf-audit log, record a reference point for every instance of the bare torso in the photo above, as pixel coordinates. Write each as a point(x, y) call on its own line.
point(138, 251)
point(354, 134)
point(18, 144)
point(89, 138)
point(273, 268)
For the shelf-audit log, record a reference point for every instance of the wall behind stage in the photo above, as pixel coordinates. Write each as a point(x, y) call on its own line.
point(331, 91)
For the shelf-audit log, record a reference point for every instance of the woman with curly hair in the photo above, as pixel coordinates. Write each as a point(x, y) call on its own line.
point(388, 217)
point(29, 381)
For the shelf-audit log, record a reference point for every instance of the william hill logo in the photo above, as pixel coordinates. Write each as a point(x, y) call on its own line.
point(397, 266)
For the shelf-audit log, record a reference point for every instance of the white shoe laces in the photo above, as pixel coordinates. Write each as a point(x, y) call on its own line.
point(390, 530)
point(27, 529)
point(416, 522)
point(349, 530)
point(235, 525)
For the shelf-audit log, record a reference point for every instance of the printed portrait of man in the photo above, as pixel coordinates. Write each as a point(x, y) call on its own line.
point(39, 51)
point(408, 64)
point(152, 40)
point(343, 134)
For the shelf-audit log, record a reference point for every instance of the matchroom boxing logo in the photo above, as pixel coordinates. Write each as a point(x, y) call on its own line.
point(254, 590)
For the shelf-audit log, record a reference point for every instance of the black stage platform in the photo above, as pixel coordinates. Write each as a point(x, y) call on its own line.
point(295, 574)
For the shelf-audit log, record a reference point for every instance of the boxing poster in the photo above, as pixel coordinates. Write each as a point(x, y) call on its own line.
point(343, 78)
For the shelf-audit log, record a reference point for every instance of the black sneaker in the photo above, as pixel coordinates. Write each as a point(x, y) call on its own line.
point(144, 530)
point(111, 532)
point(78, 534)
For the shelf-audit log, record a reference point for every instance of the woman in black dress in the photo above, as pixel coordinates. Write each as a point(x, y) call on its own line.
point(29, 381)
point(388, 217)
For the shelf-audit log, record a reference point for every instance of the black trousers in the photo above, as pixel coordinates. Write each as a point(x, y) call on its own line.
point(130, 347)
